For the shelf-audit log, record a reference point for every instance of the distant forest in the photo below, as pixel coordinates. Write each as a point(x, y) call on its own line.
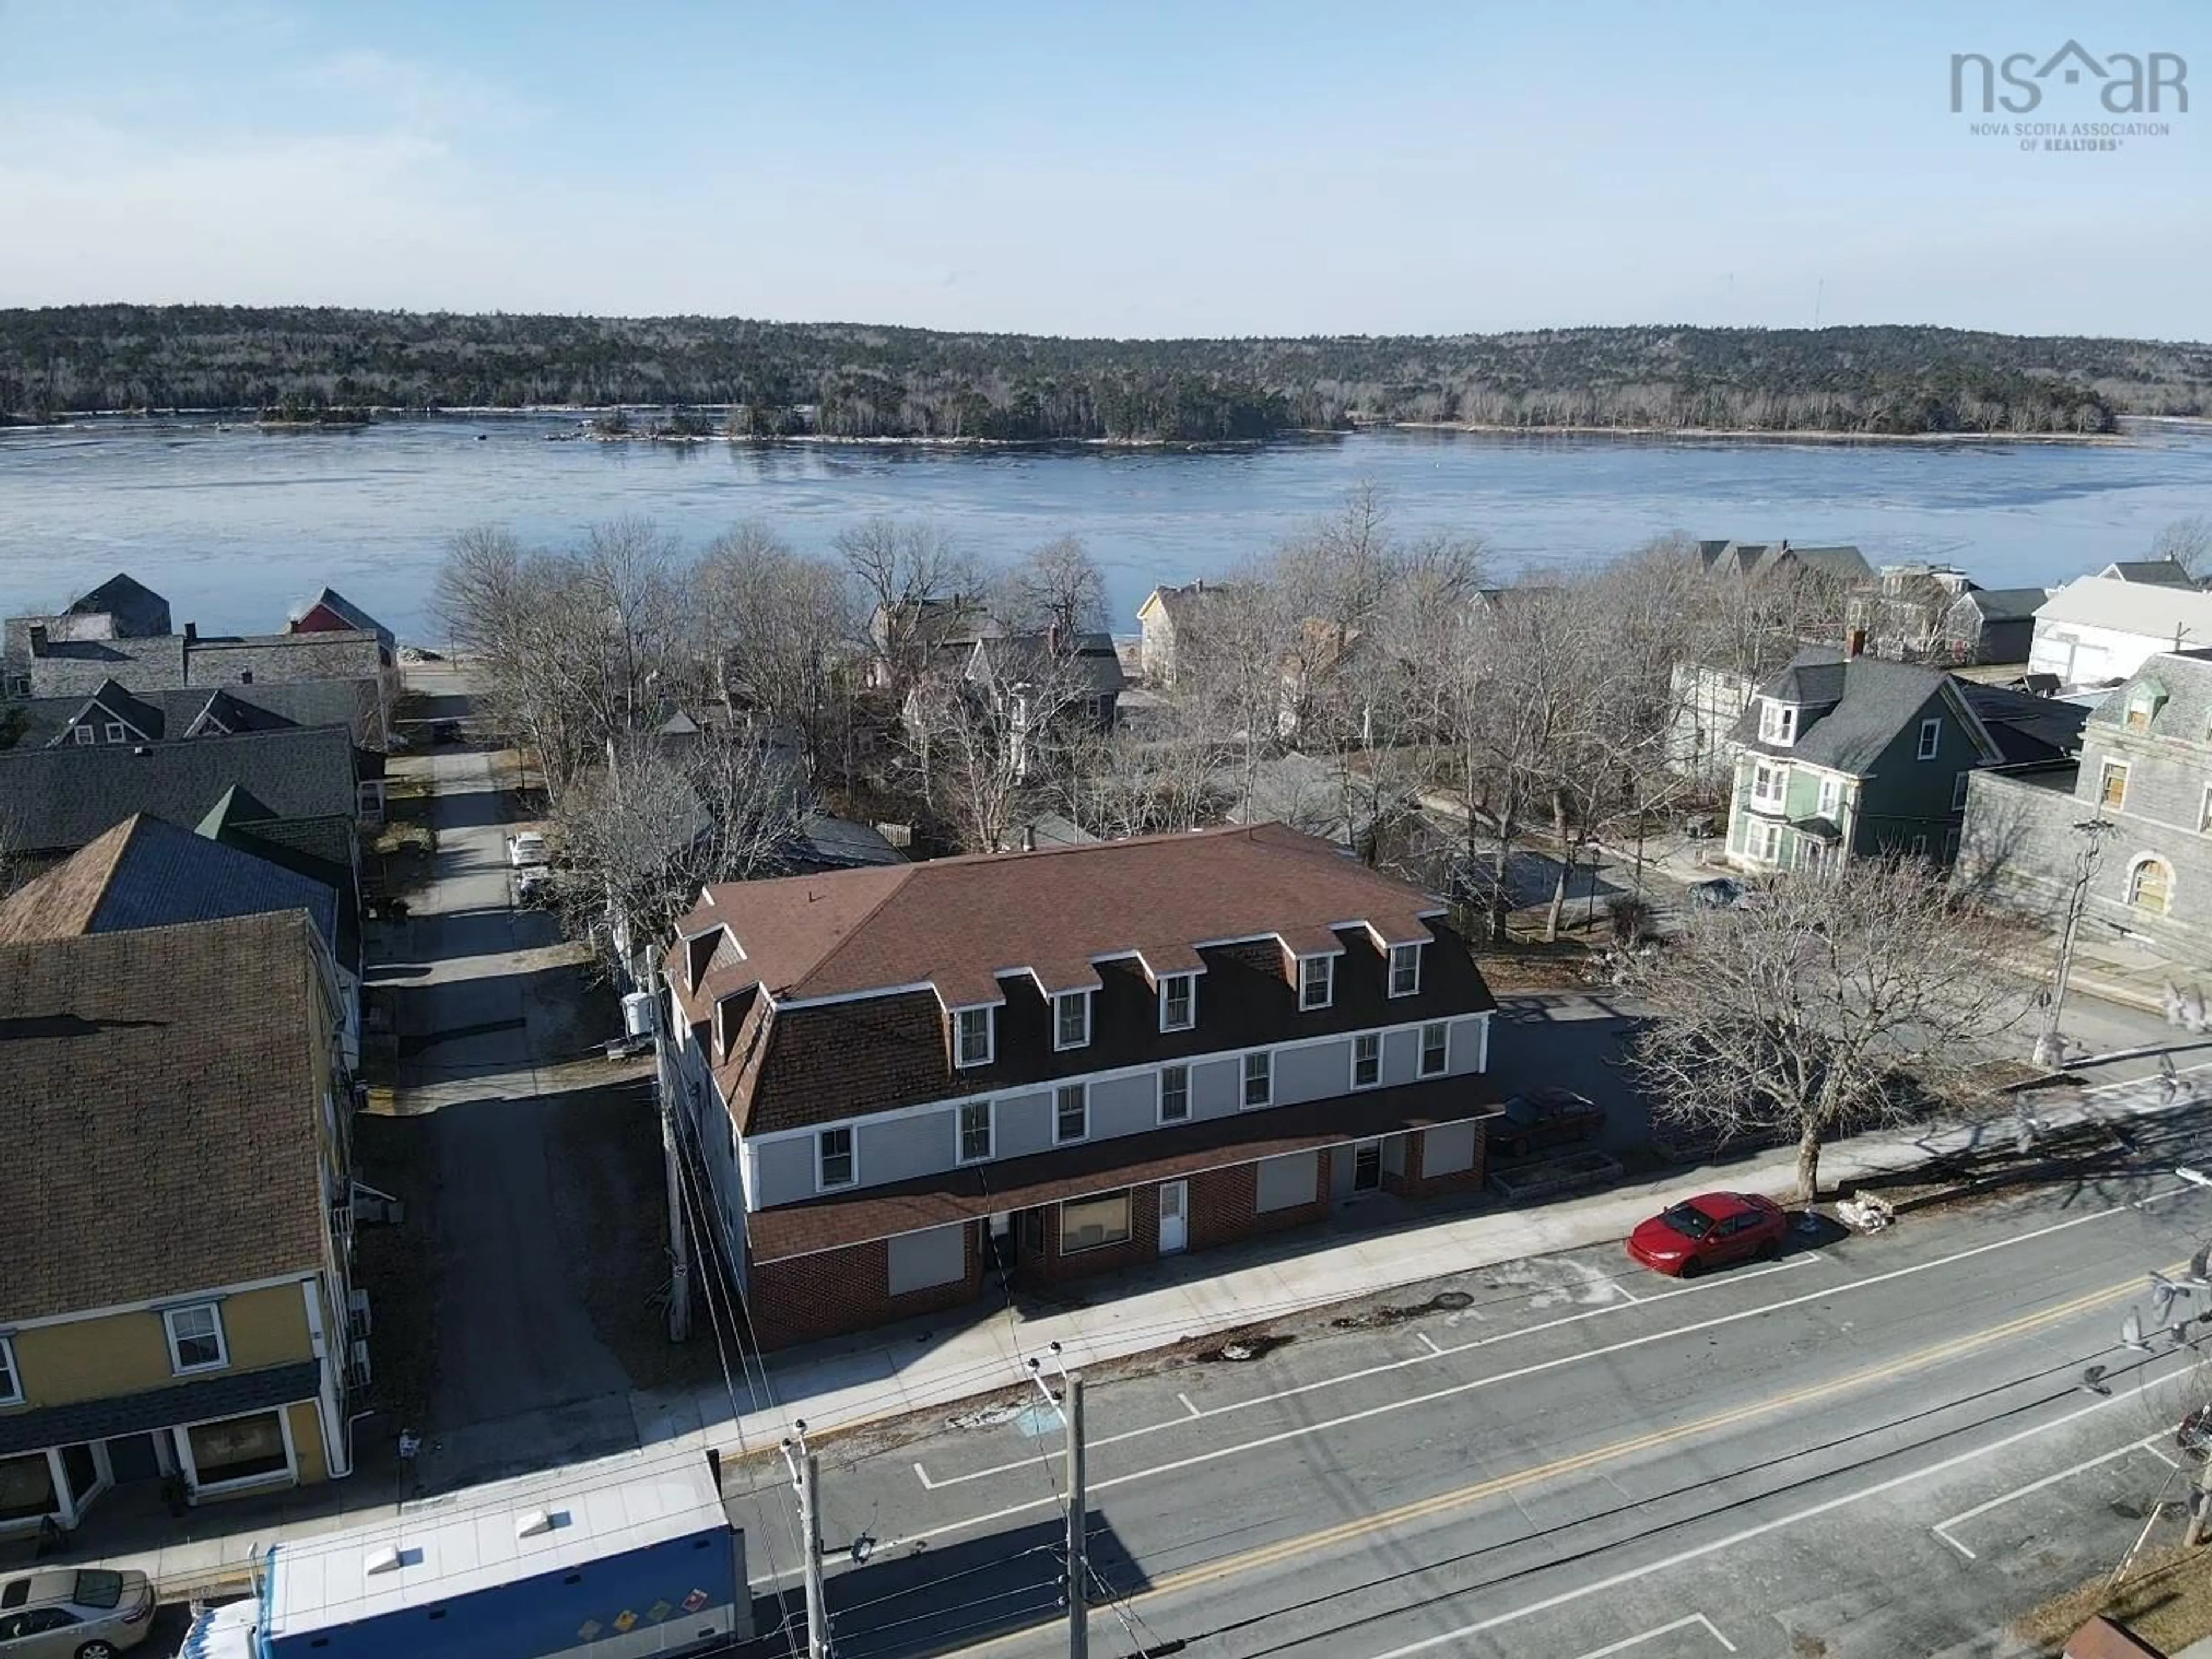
point(847, 381)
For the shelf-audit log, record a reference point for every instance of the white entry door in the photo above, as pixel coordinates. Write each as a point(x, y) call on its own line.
point(1175, 1229)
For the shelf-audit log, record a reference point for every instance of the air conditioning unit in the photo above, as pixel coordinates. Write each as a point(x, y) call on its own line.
point(360, 1366)
point(357, 1314)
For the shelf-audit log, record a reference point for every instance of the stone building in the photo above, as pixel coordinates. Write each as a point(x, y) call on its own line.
point(2146, 769)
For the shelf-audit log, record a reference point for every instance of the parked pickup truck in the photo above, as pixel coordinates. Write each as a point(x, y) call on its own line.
point(1546, 1118)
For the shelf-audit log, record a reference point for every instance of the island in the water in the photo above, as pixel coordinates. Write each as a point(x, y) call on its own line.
point(849, 380)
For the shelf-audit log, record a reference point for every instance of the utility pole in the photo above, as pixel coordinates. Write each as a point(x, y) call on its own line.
point(1069, 1404)
point(1078, 1575)
point(807, 1475)
point(672, 1153)
point(2051, 1044)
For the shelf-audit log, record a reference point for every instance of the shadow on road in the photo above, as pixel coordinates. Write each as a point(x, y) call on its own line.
point(927, 1602)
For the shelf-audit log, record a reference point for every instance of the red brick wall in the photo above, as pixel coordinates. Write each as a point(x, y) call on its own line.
point(835, 1292)
point(1048, 1265)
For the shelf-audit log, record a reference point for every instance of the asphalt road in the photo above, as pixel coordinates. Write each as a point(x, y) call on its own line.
point(1874, 1446)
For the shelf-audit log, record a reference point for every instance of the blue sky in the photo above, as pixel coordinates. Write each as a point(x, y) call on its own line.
point(1131, 168)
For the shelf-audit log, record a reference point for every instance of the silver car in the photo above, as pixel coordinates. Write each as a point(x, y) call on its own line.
point(74, 1612)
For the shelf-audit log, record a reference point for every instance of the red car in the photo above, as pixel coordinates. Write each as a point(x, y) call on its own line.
point(1710, 1231)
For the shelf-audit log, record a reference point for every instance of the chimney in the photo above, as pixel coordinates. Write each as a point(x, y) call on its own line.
point(191, 632)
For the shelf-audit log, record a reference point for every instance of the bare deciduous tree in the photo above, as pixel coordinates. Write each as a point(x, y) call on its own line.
point(1055, 586)
point(903, 572)
point(2188, 541)
point(639, 839)
point(776, 631)
point(1840, 1001)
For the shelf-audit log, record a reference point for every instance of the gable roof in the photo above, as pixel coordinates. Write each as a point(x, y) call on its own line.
point(169, 1076)
point(2158, 572)
point(2024, 727)
point(345, 610)
point(957, 923)
point(2005, 604)
point(1180, 604)
point(141, 611)
point(58, 799)
point(2147, 610)
point(1091, 660)
point(146, 873)
point(1868, 702)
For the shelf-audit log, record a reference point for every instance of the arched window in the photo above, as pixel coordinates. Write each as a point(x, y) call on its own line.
point(2150, 886)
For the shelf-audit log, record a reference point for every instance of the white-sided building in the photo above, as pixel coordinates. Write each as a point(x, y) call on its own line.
point(2099, 630)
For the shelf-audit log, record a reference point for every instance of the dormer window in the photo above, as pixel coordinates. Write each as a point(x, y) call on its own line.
point(1405, 969)
point(1316, 981)
point(1070, 1019)
point(972, 1035)
point(1178, 1001)
point(117, 732)
point(85, 733)
point(2143, 704)
point(1778, 721)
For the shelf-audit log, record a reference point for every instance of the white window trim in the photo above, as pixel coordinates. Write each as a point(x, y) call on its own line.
point(2105, 771)
point(852, 1157)
point(1058, 998)
point(83, 734)
point(1778, 722)
point(1414, 990)
point(1328, 983)
point(1958, 787)
point(1105, 1075)
point(1357, 1037)
point(2135, 866)
point(1931, 738)
point(1160, 1094)
point(960, 1061)
point(1421, 1057)
point(11, 1374)
point(1778, 772)
point(1244, 1102)
point(1831, 803)
point(960, 1158)
point(182, 1436)
point(177, 1366)
point(1083, 1091)
point(117, 731)
point(1191, 1003)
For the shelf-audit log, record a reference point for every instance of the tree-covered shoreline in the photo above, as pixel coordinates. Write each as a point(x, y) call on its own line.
point(779, 379)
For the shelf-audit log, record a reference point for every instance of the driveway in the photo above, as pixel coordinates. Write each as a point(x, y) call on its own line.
point(486, 1001)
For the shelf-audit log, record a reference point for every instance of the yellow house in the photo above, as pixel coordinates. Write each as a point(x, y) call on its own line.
point(175, 1286)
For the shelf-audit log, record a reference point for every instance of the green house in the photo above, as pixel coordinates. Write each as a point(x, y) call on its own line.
point(1843, 756)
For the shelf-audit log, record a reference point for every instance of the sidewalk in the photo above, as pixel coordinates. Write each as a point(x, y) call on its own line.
point(850, 1383)
point(844, 1385)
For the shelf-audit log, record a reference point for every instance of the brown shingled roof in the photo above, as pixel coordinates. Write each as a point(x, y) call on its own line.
point(158, 1106)
point(61, 903)
point(956, 923)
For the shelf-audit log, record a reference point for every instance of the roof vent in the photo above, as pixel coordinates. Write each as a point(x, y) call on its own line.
point(537, 1522)
point(389, 1558)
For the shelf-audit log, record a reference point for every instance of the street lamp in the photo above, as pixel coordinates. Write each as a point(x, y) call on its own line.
point(2050, 1045)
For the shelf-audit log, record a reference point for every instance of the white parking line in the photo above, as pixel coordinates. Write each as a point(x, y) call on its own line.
point(2083, 1466)
point(1429, 1342)
point(1389, 1365)
point(1188, 1407)
point(1786, 1265)
point(1695, 1618)
point(1738, 1539)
